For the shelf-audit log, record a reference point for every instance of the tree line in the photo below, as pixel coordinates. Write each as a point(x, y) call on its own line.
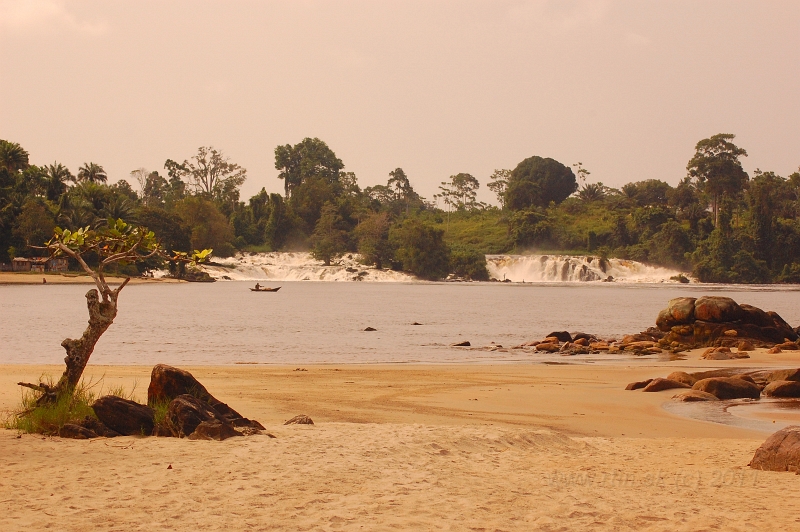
point(718, 222)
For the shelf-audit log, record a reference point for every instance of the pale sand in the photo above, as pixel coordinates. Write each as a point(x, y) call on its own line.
point(408, 448)
point(71, 278)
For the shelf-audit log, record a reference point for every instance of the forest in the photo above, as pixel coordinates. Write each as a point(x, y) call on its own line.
point(719, 223)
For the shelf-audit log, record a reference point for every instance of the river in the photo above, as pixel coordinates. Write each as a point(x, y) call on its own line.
point(319, 322)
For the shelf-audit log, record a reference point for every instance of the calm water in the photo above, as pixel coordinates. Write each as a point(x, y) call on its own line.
point(225, 323)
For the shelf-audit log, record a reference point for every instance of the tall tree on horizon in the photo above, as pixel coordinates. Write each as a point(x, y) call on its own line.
point(92, 173)
point(717, 169)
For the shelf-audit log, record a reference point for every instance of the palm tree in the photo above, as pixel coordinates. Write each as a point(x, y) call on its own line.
point(13, 156)
point(57, 177)
point(92, 172)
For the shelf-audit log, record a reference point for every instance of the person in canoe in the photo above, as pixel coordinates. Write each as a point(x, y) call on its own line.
point(258, 286)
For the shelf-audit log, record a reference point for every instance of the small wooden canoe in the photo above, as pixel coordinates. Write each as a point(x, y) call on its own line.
point(265, 289)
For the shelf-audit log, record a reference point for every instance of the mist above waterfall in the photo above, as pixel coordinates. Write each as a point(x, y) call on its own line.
point(568, 268)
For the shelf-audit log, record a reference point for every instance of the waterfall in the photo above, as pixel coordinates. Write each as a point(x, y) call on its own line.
point(566, 268)
point(301, 266)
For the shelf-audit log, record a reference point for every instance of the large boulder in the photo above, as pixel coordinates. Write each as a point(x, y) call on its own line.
point(679, 311)
point(167, 383)
point(126, 417)
point(659, 384)
point(782, 389)
point(717, 309)
point(728, 388)
point(781, 451)
point(638, 384)
point(563, 336)
point(784, 375)
point(185, 413)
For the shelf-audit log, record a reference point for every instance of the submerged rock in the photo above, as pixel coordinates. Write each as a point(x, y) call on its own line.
point(660, 384)
point(691, 396)
point(782, 389)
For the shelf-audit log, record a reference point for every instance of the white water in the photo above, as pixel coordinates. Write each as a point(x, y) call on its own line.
point(301, 266)
point(565, 268)
point(279, 267)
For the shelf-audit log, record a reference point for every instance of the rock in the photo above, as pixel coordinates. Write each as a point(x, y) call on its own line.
point(550, 348)
point(562, 336)
point(660, 384)
point(730, 332)
point(728, 388)
point(126, 417)
point(76, 432)
point(581, 341)
point(756, 316)
point(744, 345)
point(682, 376)
point(788, 346)
point(679, 311)
point(97, 426)
point(745, 377)
point(185, 413)
point(780, 452)
point(639, 384)
point(599, 346)
point(784, 375)
point(465, 343)
point(370, 329)
point(774, 350)
point(584, 336)
point(167, 383)
point(691, 396)
point(782, 389)
point(213, 430)
point(550, 340)
point(302, 419)
point(717, 309)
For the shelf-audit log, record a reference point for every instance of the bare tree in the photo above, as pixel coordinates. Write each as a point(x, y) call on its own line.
point(119, 242)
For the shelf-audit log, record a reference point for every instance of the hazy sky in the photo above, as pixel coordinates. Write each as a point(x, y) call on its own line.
point(437, 88)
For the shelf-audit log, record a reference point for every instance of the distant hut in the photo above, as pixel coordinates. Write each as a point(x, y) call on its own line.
point(21, 264)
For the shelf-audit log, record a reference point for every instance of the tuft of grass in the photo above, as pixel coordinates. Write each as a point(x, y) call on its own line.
point(49, 419)
point(160, 409)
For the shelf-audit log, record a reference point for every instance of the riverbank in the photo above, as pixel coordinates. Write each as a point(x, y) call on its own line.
point(510, 447)
point(71, 278)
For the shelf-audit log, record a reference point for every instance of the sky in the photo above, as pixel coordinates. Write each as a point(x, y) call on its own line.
point(434, 87)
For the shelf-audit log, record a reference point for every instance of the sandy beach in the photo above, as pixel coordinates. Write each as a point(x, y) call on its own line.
point(70, 278)
point(470, 447)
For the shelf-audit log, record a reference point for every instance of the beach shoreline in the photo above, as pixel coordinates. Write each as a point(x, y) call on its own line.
point(33, 278)
point(496, 447)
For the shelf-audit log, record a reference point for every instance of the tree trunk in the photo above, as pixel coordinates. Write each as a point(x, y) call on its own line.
point(101, 316)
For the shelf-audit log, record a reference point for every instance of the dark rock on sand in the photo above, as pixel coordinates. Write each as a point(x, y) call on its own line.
point(370, 329)
point(782, 389)
point(660, 384)
point(97, 426)
point(213, 430)
point(780, 452)
point(728, 388)
point(638, 385)
point(126, 417)
point(76, 432)
point(465, 343)
point(185, 413)
point(302, 419)
point(167, 383)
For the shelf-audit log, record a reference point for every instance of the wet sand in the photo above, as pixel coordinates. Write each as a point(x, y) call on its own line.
point(468, 447)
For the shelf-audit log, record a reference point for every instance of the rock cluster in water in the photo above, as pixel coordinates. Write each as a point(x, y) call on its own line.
point(191, 412)
point(711, 321)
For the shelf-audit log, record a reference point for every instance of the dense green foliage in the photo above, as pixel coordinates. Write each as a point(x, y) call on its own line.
point(717, 222)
